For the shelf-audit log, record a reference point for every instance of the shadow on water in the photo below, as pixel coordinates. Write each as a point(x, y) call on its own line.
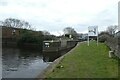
point(20, 63)
point(51, 56)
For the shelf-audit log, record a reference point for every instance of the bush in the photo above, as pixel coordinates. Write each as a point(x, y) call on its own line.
point(112, 41)
point(49, 37)
point(30, 37)
point(103, 38)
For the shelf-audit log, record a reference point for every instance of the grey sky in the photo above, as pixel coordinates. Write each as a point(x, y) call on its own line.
point(55, 15)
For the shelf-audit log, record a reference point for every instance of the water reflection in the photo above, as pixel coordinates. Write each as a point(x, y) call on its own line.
point(19, 63)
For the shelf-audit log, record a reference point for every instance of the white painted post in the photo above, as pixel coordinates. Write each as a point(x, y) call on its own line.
point(88, 36)
point(97, 35)
point(88, 40)
point(97, 40)
point(0, 63)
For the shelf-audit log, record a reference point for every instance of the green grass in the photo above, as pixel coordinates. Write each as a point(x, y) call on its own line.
point(87, 62)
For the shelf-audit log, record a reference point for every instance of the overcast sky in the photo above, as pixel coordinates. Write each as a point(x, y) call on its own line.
point(55, 15)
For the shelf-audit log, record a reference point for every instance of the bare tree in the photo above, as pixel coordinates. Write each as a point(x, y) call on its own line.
point(11, 22)
point(112, 29)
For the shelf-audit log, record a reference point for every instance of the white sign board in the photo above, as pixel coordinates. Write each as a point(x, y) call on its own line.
point(93, 31)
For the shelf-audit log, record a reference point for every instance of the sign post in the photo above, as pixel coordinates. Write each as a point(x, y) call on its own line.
point(88, 41)
point(92, 32)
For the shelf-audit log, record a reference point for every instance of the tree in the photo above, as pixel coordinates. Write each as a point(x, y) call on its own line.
point(46, 33)
point(1, 23)
point(16, 23)
point(70, 31)
point(103, 36)
point(48, 36)
point(112, 29)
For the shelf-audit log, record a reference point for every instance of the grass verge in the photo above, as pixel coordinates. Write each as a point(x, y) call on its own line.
point(87, 62)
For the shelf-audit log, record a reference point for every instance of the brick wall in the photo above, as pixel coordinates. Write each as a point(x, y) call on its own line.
point(8, 32)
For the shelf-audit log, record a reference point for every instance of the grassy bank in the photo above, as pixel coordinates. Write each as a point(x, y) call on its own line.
point(87, 62)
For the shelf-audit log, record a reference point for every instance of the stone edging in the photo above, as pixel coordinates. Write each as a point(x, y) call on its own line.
point(52, 65)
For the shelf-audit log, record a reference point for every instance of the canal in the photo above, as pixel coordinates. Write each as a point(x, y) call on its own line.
point(23, 63)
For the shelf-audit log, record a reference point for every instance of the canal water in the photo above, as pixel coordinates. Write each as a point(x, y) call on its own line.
point(19, 63)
